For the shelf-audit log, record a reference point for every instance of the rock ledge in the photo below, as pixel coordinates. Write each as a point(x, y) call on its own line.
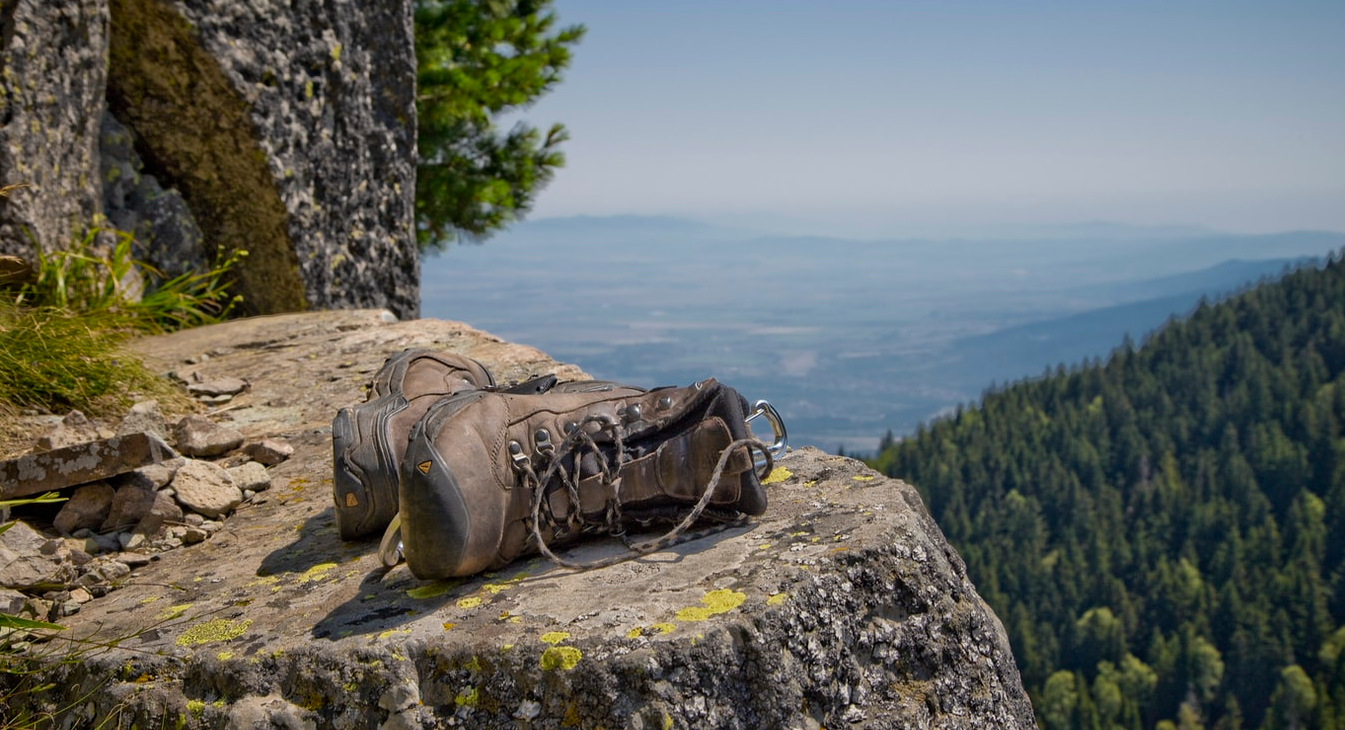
point(842, 606)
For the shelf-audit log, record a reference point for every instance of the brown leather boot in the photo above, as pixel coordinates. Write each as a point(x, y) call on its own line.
point(368, 440)
point(489, 476)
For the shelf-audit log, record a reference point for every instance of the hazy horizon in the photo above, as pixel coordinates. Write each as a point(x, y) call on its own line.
point(865, 118)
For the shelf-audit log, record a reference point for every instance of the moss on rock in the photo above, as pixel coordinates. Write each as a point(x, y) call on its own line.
point(194, 130)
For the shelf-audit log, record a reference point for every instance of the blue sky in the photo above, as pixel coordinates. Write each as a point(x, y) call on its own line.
point(888, 115)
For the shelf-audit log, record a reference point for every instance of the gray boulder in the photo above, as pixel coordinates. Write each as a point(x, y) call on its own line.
point(52, 89)
point(289, 129)
point(285, 128)
point(80, 464)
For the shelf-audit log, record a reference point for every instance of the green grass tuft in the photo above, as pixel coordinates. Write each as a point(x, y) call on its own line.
point(57, 360)
point(106, 281)
point(62, 335)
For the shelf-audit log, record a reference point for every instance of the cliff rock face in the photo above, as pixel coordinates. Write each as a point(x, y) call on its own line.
point(287, 128)
point(842, 606)
point(53, 76)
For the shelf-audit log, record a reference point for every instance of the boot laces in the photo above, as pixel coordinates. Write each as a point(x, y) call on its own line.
point(571, 451)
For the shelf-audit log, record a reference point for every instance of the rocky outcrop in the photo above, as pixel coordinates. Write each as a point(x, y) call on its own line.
point(842, 606)
point(283, 128)
point(53, 80)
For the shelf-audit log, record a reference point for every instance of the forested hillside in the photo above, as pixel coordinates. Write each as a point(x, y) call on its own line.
point(1163, 534)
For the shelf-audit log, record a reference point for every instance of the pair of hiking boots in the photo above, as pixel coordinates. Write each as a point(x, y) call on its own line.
point(463, 475)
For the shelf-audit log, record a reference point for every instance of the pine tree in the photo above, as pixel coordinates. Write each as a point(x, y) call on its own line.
point(478, 61)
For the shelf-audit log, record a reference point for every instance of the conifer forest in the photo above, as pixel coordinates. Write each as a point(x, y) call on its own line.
point(1163, 533)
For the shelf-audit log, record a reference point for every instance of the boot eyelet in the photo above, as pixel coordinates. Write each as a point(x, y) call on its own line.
point(544, 446)
point(664, 403)
point(517, 458)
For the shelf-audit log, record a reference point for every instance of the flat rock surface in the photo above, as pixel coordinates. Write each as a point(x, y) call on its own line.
point(842, 605)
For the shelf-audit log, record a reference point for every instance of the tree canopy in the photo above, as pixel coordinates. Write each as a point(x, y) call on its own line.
point(477, 61)
point(1163, 534)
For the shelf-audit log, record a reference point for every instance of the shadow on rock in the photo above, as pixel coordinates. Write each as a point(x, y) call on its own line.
point(316, 543)
point(390, 599)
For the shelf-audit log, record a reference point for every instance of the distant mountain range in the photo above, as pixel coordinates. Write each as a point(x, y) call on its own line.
point(849, 337)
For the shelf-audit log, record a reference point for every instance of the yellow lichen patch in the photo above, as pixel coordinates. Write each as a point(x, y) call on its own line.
point(468, 697)
point(493, 588)
point(317, 573)
point(264, 580)
point(195, 707)
point(431, 590)
point(664, 628)
point(220, 629)
point(778, 474)
point(448, 625)
point(862, 478)
point(776, 599)
point(560, 657)
point(173, 612)
point(148, 600)
point(635, 633)
point(764, 546)
point(810, 483)
point(469, 602)
point(224, 656)
point(393, 632)
point(555, 637)
point(714, 602)
point(506, 647)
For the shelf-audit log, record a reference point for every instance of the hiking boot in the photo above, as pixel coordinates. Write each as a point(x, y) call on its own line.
point(490, 476)
point(368, 440)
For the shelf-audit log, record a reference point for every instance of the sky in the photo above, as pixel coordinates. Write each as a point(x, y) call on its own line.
point(899, 114)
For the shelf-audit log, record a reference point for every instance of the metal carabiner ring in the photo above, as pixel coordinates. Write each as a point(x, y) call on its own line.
point(781, 444)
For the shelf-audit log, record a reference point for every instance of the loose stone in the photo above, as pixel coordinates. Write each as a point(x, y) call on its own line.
point(251, 476)
point(206, 488)
point(199, 436)
point(269, 452)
